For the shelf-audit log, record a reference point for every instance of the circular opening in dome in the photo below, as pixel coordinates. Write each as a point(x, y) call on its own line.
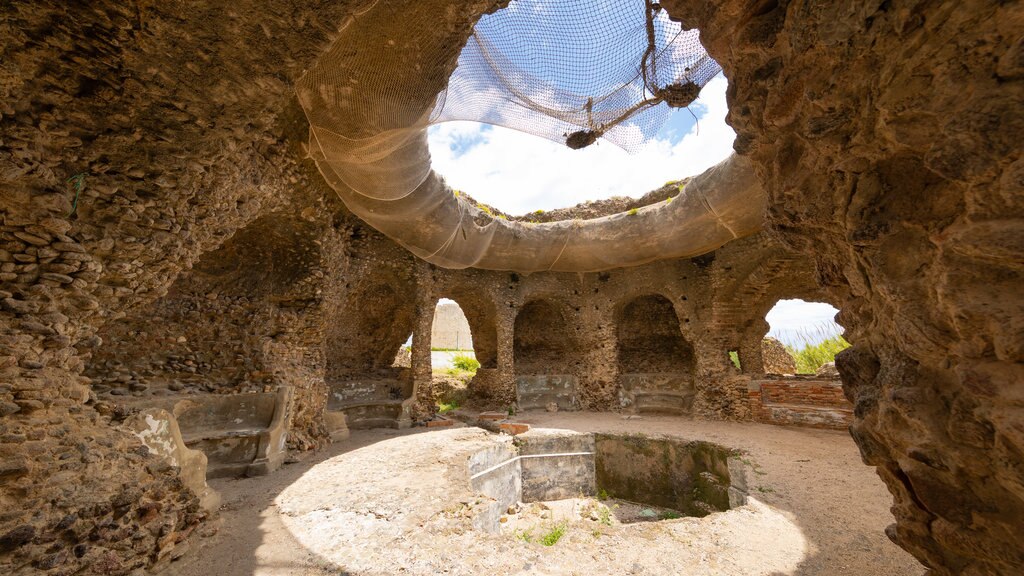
point(601, 84)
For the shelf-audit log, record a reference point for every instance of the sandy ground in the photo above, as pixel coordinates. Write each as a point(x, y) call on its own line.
point(389, 502)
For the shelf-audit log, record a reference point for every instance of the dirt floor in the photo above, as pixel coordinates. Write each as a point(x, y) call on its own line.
point(390, 502)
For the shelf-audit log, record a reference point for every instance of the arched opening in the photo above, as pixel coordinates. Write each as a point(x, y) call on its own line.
point(371, 326)
point(799, 383)
point(230, 349)
point(802, 338)
point(543, 346)
point(656, 364)
point(453, 361)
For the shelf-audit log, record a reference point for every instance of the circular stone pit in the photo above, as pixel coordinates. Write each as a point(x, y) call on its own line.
point(418, 504)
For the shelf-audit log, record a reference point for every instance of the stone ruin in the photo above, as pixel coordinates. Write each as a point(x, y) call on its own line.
point(183, 288)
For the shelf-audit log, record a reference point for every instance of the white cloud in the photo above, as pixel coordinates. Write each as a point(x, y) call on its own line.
point(796, 322)
point(520, 173)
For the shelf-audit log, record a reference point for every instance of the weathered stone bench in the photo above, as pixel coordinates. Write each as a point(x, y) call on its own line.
point(241, 434)
point(368, 403)
point(536, 391)
point(659, 393)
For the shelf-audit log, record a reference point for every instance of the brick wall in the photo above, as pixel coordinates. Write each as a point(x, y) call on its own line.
point(799, 401)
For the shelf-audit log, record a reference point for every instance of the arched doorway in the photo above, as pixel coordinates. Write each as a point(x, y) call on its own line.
point(364, 380)
point(656, 364)
point(542, 349)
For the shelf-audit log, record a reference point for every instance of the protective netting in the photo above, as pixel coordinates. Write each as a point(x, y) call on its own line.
point(566, 70)
point(575, 70)
point(570, 71)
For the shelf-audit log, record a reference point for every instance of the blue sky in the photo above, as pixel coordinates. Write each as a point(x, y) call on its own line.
point(520, 173)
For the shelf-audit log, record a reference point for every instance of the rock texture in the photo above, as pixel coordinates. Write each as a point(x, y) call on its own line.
point(776, 359)
point(887, 134)
point(128, 149)
point(162, 233)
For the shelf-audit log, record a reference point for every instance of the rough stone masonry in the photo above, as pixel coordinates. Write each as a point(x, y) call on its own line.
point(163, 233)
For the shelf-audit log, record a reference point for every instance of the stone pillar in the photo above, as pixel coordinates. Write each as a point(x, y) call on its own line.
point(599, 380)
point(420, 405)
point(751, 357)
point(504, 388)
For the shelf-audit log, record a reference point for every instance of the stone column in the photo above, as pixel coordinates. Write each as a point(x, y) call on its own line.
point(420, 405)
point(599, 380)
point(504, 387)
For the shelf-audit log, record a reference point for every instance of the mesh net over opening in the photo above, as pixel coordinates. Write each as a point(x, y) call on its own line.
point(571, 71)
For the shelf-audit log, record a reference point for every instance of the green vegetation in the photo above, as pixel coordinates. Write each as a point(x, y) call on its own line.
point(554, 534)
point(465, 362)
point(602, 494)
point(812, 356)
point(669, 199)
point(632, 211)
point(525, 535)
point(444, 407)
point(485, 209)
point(604, 516)
point(735, 357)
point(538, 212)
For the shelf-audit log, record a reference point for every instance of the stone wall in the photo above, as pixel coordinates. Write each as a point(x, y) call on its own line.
point(450, 328)
point(800, 401)
point(775, 357)
point(128, 151)
point(157, 216)
point(887, 136)
point(678, 317)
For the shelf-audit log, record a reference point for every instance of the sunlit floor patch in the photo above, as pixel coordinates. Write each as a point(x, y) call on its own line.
point(405, 505)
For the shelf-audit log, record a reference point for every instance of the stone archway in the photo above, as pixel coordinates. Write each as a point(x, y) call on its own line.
point(542, 347)
point(363, 338)
point(656, 364)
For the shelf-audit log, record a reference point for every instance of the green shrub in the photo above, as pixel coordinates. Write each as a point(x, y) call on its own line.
point(812, 356)
point(735, 357)
point(552, 536)
point(465, 362)
point(632, 211)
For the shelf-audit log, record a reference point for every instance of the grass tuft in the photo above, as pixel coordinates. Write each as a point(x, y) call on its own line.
point(554, 534)
point(813, 356)
point(465, 362)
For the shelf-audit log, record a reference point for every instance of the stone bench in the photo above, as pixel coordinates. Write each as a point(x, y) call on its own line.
point(658, 393)
point(536, 391)
point(241, 434)
point(363, 404)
